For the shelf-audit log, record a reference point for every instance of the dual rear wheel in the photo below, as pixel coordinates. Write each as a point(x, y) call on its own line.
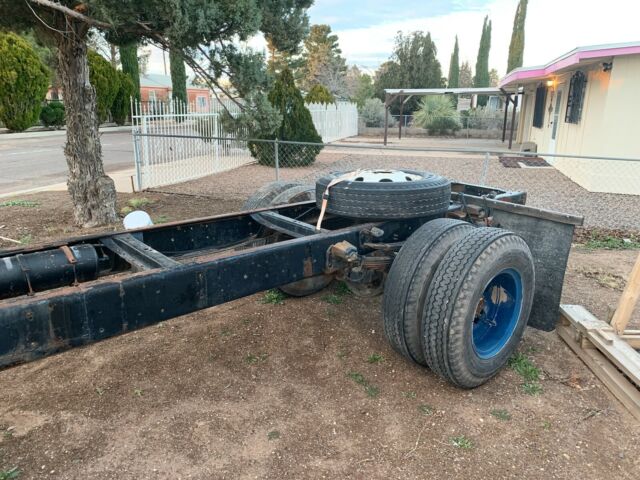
point(458, 298)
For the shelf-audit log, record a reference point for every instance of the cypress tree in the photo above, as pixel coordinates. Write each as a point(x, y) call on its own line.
point(482, 63)
point(516, 47)
point(105, 80)
point(178, 77)
point(297, 125)
point(454, 70)
point(129, 60)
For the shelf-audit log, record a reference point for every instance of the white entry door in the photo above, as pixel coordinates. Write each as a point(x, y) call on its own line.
point(555, 122)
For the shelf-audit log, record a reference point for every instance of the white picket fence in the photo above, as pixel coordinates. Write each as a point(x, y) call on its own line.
point(335, 121)
point(171, 143)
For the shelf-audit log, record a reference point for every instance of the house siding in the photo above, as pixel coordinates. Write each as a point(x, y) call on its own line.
point(608, 127)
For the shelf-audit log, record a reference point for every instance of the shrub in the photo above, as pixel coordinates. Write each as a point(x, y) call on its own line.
point(319, 94)
point(296, 125)
point(104, 79)
point(23, 83)
point(483, 119)
point(437, 114)
point(122, 103)
point(52, 115)
point(372, 112)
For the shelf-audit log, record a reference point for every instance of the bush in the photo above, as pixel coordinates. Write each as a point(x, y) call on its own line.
point(372, 112)
point(122, 102)
point(52, 115)
point(296, 125)
point(437, 114)
point(104, 79)
point(483, 119)
point(24, 80)
point(319, 94)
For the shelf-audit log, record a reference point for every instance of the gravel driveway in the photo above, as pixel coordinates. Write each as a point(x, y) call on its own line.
point(546, 187)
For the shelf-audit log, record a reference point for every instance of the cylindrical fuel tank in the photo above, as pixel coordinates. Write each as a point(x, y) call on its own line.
point(32, 272)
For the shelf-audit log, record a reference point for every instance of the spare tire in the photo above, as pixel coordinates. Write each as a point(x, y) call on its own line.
point(386, 194)
point(263, 197)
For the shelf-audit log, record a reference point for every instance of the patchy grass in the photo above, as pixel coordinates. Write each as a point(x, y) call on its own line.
point(253, 359)
point(100, 391)
point(138, 392)
point(160, 219)
point(342, 354)
point(425, 409)
point(26, 239)
point(501, 414)
point(370, 390)
point(611, 243)
point(19, 203)
point(274, 297)
point(461, 442)
point(332, 298)
point(140, 202)
point(124, 211)
point(524, 367)
point(532, 388)
point(9, 474)
point(546, 425)
point(273, 435)
point(409, 394)
point(375, 358)
point(342, 289)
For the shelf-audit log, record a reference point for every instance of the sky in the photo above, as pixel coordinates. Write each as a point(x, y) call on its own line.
point(366, 28)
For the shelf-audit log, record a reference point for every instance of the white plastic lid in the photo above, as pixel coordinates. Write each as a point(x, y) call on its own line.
point(137, 219)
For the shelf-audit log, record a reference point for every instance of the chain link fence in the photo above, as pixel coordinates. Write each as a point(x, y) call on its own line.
point(552, 182)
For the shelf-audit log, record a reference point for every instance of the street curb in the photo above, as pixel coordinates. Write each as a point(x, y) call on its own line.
point(55, 133)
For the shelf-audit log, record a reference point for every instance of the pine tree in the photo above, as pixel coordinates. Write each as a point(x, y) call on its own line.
point(297, 125)
point(516, 47)
point(319, 94)
point(323, 61)
point(129, 60)
point(178, 77)
point(482, 63)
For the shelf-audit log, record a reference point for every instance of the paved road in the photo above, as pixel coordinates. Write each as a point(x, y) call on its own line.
point(27, 163)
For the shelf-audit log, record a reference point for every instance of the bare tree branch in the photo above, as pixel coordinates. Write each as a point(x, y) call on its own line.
point(71, 13)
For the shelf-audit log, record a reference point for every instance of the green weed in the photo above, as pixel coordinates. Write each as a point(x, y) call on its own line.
point(19, 203)
point(253, 359)
point(333, 299)
point(375, 358)
point(26, 239)
point(138, 392)
point(274, 297)
point(524, 367)
point(273, 435)
point(425, 409)
point(370, 390)
point(410, 394)
point(611, 243)
point(462, 442)
point(501, 414)
point(139, 202)
point(532, 388)
point(342, 289)
point(9, 474)
point(161, 219)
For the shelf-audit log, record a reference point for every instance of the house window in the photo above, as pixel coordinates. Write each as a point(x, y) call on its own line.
point(575, 99)
point(538, 111)
point(201, 101)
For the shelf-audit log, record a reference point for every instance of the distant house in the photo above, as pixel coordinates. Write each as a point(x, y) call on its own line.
point(585, 102)
point(157, 88)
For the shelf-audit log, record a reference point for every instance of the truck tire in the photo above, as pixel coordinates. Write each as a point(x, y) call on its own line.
point(386, 194)
point(280, 193)
point(409, 279)
point(477, 306)
point(263, 197)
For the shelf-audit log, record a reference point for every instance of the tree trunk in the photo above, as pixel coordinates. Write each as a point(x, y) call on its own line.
point(92, 192)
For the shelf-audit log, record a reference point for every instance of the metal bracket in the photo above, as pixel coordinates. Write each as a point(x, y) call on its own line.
point(140, 255)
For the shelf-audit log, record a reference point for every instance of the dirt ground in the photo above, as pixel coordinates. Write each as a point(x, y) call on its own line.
point(257, 390)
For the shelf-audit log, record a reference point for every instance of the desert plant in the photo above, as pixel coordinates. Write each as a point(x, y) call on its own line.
point(23, 83)
point(52, 115)
point(122, 102)
point(319, 94)
point(372, 112)
point(105, 80)
point(437, 114)
point(296, 125)
point(483, 119)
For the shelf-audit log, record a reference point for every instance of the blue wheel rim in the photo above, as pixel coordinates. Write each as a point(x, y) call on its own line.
point(497, 313)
